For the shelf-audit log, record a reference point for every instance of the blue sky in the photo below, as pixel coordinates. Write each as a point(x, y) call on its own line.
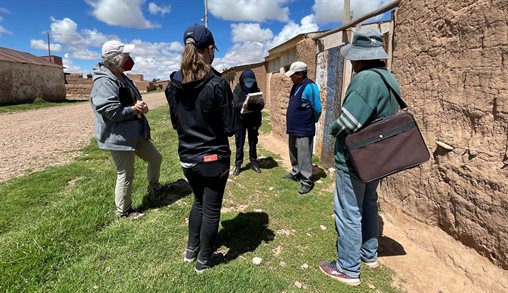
point(243, 29)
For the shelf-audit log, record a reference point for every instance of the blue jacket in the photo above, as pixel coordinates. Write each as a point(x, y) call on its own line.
point(304, 109)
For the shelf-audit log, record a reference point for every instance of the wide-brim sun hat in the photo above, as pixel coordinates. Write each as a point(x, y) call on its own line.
point(367, 44)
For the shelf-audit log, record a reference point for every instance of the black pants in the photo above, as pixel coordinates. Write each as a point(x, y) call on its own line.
point(252, 132)
point(208, 181)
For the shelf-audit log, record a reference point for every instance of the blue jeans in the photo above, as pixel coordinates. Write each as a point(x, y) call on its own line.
point(355, 204)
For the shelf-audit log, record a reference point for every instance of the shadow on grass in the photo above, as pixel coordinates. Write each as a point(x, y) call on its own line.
point(264, 163)
point(267, 163)
point(244, 233)
point(172, 192)
point(317, 173)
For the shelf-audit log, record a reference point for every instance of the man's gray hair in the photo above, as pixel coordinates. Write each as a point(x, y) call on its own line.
point(115, 62)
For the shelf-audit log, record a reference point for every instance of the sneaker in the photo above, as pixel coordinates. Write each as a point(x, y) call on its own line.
point(237, 170)
point(190, 254)
point(255, 167)
point(132, 214)
point(372, 264)
point(330, 269)
point(305, 189)
point(290, 176)
point(203, 265)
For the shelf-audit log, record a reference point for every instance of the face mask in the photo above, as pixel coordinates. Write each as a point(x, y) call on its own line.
point(248, 84)
point(129, 63)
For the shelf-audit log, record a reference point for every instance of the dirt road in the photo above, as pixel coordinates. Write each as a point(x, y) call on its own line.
point(36, 139)
point(424, 258)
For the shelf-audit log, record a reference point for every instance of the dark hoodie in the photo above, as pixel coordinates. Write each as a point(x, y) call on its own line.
point(250, 119)
point(202, 113)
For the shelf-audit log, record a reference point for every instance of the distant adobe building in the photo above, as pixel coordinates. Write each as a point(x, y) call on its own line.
point(79, 87)
point(25, 77)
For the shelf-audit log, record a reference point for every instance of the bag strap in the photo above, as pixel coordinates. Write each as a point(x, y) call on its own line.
point(402, 104)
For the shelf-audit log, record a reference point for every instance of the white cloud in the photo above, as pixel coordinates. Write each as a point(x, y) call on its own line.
point(244, 32)
point(154, 8)
point(3, 30)
point(327, 11)
point(121, 13)
point(241, 53)
point(292, 29)
point(250, 10)
point(66, 32)
point(71, 68)
point(156, 60)
point(85, 54)
point(251, 42)
point(42, 45)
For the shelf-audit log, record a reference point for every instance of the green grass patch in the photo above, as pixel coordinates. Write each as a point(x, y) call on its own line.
point(36, 104)
point(58, 231)
point(266, 126)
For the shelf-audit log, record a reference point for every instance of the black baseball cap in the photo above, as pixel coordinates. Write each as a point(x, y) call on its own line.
point(198, 35)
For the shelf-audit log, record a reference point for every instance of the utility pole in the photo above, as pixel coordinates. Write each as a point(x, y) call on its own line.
point(347, 12)
point(49, 50)
point(347, 18)
point(206, 13)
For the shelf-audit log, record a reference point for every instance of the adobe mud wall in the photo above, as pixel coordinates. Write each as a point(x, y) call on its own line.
point(259, 71)
point(21, 83)
point(451, 59)
point(80, 88)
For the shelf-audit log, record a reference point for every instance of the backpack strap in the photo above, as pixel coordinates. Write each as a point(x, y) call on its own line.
point(402, 104)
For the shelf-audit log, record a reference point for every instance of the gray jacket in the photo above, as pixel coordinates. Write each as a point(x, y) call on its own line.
point(116, 126)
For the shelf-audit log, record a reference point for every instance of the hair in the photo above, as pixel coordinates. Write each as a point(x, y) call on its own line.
point(194, 66)
point(115, 62)
point(304, 73)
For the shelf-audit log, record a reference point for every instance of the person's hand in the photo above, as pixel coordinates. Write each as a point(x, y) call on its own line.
point(143, 106)
point(136, 110)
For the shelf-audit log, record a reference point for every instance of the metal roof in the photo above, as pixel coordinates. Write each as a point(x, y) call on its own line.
point(23, 57)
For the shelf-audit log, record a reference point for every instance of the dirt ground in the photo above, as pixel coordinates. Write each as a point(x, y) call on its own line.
point(423, 258)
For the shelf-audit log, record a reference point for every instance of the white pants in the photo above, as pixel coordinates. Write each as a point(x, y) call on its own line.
point(124, 162)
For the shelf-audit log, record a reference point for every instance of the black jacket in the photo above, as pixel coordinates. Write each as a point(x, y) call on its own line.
point(251, 119)
point(202, 113)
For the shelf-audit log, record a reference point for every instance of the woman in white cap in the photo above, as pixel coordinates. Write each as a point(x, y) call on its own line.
point(368, 98)
point(201, 110)
point(120, 124)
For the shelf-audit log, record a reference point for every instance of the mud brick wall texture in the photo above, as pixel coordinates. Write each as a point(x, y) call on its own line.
point(21, 83)
point(451, 59)
point(259, 72)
